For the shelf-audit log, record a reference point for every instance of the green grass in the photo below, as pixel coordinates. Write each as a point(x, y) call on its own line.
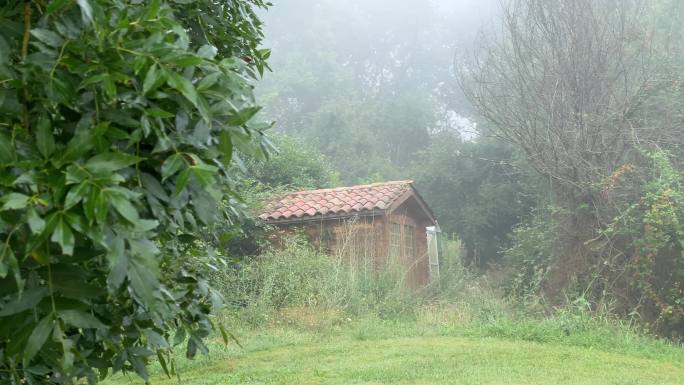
point(430, 351)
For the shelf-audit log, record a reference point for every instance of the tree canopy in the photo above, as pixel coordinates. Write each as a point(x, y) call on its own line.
point(591, 92)
point(118, 123)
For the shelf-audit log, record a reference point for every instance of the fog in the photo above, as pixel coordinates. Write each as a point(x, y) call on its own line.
point(324, 50)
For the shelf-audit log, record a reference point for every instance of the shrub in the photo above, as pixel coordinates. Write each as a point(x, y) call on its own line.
point(527, 262)
point(296, 164)
point(650, 225)
point(118, 122)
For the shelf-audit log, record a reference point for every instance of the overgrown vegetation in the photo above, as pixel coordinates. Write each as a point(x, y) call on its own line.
point(299, 303)
point(588, 112)
point(298, 276)
point(297, 286)
point(551, 180)
point(133, 164)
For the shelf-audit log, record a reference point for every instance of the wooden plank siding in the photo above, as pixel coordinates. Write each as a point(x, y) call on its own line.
point(363, 239)
point(382, 224)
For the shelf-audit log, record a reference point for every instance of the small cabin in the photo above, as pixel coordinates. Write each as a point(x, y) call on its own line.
point(381, 222)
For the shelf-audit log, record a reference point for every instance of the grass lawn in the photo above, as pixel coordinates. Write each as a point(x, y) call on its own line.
point(353, 356)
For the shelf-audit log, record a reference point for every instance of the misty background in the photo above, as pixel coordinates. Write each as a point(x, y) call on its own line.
point(370, 90)
point(572, 119)
point(329, 53)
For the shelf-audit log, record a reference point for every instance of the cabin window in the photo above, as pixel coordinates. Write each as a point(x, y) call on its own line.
point(401, 240)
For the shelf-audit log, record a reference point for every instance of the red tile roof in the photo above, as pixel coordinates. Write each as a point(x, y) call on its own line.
point(341, 200)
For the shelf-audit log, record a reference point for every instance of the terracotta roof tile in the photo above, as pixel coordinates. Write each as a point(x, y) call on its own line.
point(338, 200)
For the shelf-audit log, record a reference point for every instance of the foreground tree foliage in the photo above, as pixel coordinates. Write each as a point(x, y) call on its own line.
point(117, 123)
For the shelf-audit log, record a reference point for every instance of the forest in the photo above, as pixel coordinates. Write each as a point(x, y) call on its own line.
point(549, 145)
point(140, 140)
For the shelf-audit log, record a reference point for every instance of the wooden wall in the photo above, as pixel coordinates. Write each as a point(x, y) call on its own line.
point(366, 239)
point(417, 264)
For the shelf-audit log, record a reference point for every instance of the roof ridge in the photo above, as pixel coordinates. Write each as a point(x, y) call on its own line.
point(375, 184)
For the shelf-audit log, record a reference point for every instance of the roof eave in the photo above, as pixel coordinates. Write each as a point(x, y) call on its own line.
point(413, 192)
point(326, 217)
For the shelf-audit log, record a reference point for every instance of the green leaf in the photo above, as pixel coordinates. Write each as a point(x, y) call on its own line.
point(172, 165)
point(118, 262)
point(110, 161)
point(205, 173)
point(208, 81)
point(8, 260)
point(205, 207)
point(45, 140)
point(226, 147)
point(109, 87)
point(96, 206)
point(79, 223)
point(86, 11)
point(153, 79)
point(80, 319)
point(155, 188)
point(159, 113)
point(35, 222)
point(225, 334)
point(243, 116)
point(201, 133)
point(48, 37)
point(76, 194)
point(155, 339)
point(6, 150)
point(76, 174)
point(101, 77)
point(38, 337)
point(139, 367)
point(28, 178)
point(56, 5)
point(143, 283)
point(197, 344)
point(191, 349)
point(182, 180)
point(14, 201)
point(124, 207)
point(4, 58)
point(153, 9)
point(188, 61)
point(24, 301)
point(162, 363)
point(207, 51)
point(71, 281)
point(180, 336)
point(63, 236)
point(143, 225)
point(184, 86)
point(183, 41)
point(51, 222)
point(67, 359)
point(81, 143)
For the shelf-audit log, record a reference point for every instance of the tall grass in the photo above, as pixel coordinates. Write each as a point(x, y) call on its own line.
point(298, 276)
point(298, 286)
